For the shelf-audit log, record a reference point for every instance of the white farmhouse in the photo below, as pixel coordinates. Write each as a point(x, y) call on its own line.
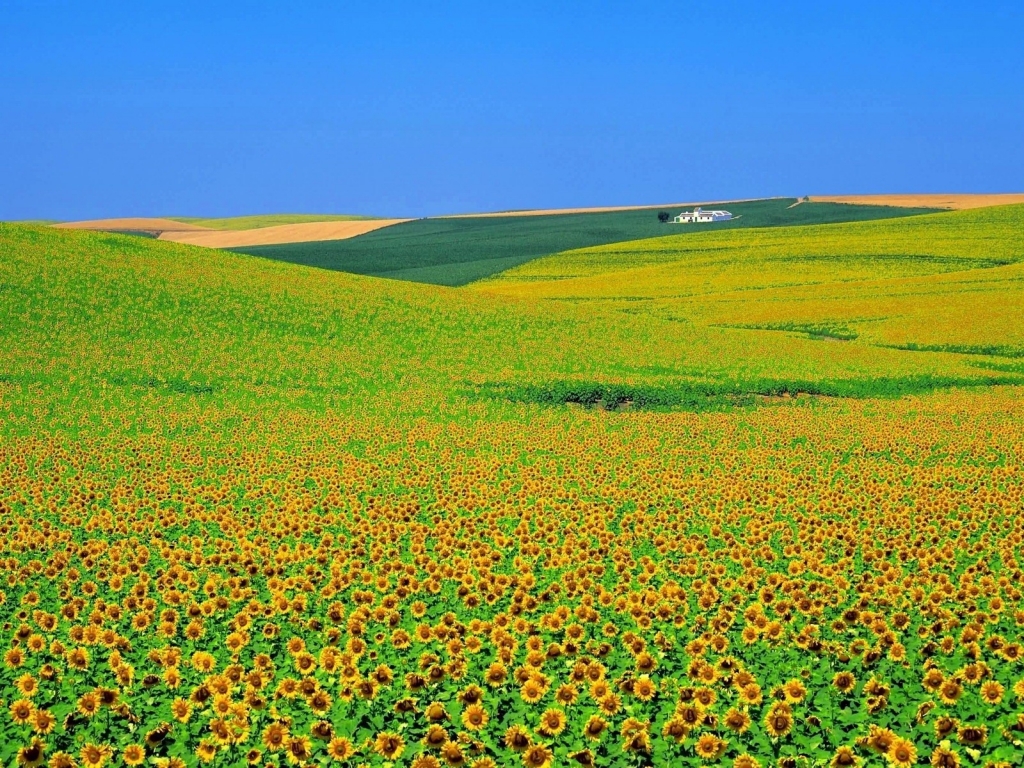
point(700, 216)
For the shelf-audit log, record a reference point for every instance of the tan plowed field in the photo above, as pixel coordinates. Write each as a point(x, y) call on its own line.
point(954, 201)
point(284, 233)
point(135, 224)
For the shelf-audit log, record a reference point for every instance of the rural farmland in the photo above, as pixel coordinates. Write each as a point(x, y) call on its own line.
point(367, 402)
point(258, 508)
point(459, 250)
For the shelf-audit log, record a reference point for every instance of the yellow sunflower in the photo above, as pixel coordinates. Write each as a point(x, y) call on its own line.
point(552, 722)
point(902, 753)
point(537, 756)
point(389, 745)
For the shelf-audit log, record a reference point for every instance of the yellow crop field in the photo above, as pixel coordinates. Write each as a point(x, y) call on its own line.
point(748, 498)
point(949, 280)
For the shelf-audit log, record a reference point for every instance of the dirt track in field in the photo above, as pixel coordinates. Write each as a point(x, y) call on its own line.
point(279, 235)
point(952, 201)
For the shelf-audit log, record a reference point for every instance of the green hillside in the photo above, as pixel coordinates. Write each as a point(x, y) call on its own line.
point(115, 317)
point(942, 282)
point(457, 251)
point(954, 240)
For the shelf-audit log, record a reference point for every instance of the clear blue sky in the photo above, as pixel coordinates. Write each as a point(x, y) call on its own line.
point(187, 108)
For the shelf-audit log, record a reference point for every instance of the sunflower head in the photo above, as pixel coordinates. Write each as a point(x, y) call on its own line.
point(902, 753)
point(474, 717)
point(644, 688)
point(552, 722)
point(944, 757)
point(972, 735)
point(517, 738)
point(340, 748)
point(31, 755)
point(709, 746)
point(779, 720)
point(537, 756)
point(389, 745)
point(737, 720)
point(879, 740)
point(844, 757)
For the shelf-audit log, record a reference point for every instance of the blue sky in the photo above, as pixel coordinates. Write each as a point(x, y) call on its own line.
point(207, 109)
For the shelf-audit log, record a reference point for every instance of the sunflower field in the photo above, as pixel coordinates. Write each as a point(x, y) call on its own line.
point(259, 514)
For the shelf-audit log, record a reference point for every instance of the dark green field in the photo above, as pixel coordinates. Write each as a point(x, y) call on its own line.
point(135, 232)
point(458, 251)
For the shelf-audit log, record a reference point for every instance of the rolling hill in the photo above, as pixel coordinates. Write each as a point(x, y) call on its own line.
point(943, 282)
point(790, 454)
point(744, 309)
point(456, 251)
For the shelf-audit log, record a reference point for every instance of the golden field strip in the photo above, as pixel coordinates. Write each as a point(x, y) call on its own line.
point(282, 233)
point(952, 201)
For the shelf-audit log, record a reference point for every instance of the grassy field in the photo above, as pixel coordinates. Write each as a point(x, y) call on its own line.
point(942, 281)
point(741, 498)
point(268, 220)
point(457, 251)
